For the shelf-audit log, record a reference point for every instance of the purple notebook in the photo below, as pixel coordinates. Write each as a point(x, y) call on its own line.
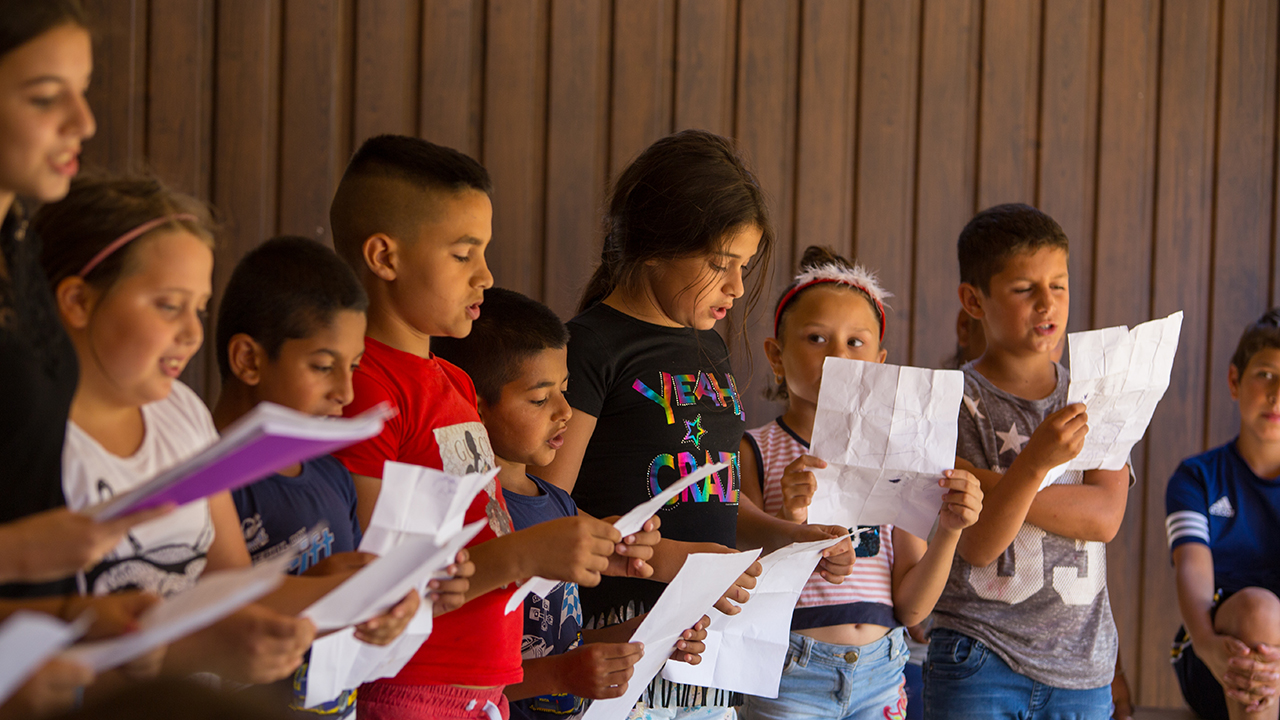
point(267, 439)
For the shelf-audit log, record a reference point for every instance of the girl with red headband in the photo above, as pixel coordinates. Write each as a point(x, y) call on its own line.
point(849, 635)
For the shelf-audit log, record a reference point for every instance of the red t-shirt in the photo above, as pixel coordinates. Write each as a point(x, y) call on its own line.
point(438, 427)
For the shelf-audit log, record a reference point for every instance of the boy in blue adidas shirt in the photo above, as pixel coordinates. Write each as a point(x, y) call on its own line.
point(1223, 527)
point(516, 356)
point(291, 331)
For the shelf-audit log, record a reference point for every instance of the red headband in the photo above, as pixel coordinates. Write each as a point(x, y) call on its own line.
point(129, 237)
point(782, 304)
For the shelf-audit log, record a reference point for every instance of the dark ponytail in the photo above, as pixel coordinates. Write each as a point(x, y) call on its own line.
point(685, 195)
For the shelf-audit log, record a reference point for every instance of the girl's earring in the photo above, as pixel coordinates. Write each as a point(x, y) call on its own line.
point(777, 379)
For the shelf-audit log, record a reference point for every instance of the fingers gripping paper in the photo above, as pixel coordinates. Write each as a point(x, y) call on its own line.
point(1120, 375)
point(745, 652)
point(629, 524)
point(414, 503)
point(698, 585)
point(887, 433)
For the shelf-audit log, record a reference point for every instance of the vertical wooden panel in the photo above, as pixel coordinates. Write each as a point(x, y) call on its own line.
point(640, 109)
point(1068, 147)
point(386, 68)
point(179, 114)
point(118, 91)
point(1183, 226)
point(884, 210)
point(452, 74)
point(825, 142)
point(515, 139)
point(246, 126)
point(706, 39)
point(314, 113)
point(1010, 80)
point(1242, 216)
point(1121, 277)
point(766, 125)
point(945, 187)
point(577, 146)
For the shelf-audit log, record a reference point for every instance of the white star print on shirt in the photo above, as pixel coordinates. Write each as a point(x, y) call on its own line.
point(1013, 440)
point(972, 404)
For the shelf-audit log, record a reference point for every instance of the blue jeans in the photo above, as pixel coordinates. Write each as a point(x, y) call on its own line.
point(965, 680)
point(830, 682)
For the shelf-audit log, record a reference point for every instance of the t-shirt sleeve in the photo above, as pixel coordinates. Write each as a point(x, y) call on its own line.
point(590, 370)
point(969, 436)
point(366, 458)
point(1186, 503)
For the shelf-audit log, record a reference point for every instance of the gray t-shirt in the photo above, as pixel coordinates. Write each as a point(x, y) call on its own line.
point(1042, 606)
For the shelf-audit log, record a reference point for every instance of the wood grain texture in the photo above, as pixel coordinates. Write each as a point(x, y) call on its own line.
point(1184, 205)
point(884, 216)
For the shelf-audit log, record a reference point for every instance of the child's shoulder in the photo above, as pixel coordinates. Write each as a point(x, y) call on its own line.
point(1219, 466)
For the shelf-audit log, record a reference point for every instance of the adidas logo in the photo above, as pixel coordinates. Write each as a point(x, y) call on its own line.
point(1222, 508)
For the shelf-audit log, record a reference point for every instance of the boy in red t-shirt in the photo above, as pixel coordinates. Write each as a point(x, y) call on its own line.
point(413, 219)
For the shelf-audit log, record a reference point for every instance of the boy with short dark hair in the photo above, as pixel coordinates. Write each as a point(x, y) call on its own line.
point(1025, 623)
point(291, 331)
point(1223, 526)
point(414, 219)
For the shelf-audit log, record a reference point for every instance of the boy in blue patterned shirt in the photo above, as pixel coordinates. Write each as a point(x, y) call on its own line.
point(516, 356)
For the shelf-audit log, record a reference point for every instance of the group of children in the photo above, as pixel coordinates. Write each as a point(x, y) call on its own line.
point(104, 295)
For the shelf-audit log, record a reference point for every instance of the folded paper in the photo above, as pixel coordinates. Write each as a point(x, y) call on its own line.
point(415, 505)
point(629, 524)
point(699, 584)
point(745, 652)
point(1120, 375)
point(382, 583)
point(887, 433)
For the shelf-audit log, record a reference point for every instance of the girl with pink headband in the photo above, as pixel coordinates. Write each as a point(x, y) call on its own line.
point(847, 635)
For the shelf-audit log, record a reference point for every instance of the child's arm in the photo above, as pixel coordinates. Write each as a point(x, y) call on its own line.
point(1224, 655)
point(54, 544)
point(669, 556)
point(563, 470)
point(1006, 501)
point(573, 549)
point(595, 670)
point(920, 570)
point(1091, 511)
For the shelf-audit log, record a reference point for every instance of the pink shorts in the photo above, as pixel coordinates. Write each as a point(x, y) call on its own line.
point(388, 701)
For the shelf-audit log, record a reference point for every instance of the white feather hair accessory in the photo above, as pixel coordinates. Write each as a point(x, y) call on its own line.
point(857, 277)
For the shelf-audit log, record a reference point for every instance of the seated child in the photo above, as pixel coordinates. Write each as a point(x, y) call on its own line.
point(1223, 526)
point(291, 331)
point(515, 354)
point(413, 220)
point(850, 634)
point(1024, 624)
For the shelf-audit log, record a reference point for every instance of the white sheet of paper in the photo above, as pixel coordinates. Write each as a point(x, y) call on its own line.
point(414, 503)
point(1120, 375)
point(634, 521)
point(416, 500)
point(887, 433)
point(214, 597)
point(629, 524)
point(27, 640)
point(698, 585)
point(745, 652)
point(385, 581)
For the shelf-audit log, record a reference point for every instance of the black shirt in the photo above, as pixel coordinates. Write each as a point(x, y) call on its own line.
point(666, 404)
point(38, 375)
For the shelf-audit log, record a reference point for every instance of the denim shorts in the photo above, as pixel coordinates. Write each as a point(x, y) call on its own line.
point(831, 682)
point(965, 680)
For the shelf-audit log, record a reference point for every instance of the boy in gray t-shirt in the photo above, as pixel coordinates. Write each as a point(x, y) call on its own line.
point(1024, 627)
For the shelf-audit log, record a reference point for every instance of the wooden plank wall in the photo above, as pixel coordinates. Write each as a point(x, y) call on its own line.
point(1146, 127)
